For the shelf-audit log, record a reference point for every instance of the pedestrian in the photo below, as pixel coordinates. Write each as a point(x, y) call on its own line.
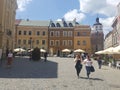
point(45, 56)
point(99, 60)
point(88, 64)
point(78, 65)
point(9, 59)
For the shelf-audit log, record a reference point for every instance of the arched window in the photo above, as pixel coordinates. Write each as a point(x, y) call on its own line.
point(52, 25)
point(58, 25)
point(70, 24)
point(65, 24)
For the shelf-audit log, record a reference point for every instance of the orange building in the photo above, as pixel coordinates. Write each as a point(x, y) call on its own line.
point(82, 38)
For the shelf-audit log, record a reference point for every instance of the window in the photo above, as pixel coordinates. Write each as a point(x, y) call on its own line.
point(64, 42)
point(65, 33)
point(37, 42)
point(19, 41)
point(51, 42)
point(20, 32)
point(70, 24)
point(78, 42)
point(38, 33)
point(57, 42)
point(25, 33)
point(70, 33)
point(70, 42)
point(24, 41)
point(58, 25)
point(65, 24)
point(52, 25)
point(51, 33)
point(43, 42)
point(43, 33)
point(84, 42)
point(78, 33)
point(30, 33)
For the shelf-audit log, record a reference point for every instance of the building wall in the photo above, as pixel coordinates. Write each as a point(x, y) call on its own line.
point(35, 39)
point(108, 40)
point(65, 41)
point(7, 20)
point(82, 38)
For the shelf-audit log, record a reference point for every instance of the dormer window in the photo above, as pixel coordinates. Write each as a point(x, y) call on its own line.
point(65, 24)
point(52, 25)
point(58, 25)
point(70, 24)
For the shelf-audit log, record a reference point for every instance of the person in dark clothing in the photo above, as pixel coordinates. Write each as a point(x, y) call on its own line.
point(45, 56)
point(99, 60)
point(78, 65)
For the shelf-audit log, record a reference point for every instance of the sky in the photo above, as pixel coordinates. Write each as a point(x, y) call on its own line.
point(85, 11)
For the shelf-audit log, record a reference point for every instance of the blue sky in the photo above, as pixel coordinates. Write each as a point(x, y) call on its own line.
point(85, 11)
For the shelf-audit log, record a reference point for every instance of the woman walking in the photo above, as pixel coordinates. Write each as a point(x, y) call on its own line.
point(88, 64)
point(78, 65)
point(9, 59)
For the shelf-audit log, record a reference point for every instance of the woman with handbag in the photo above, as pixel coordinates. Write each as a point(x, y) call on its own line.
point(88, 64)
point(78, 65)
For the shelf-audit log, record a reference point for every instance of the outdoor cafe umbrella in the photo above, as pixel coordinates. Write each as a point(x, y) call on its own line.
point(66, 50)
point(117, 49)
point(100, 52)
point(19, 50)
point(79, 50)
point(42, 50)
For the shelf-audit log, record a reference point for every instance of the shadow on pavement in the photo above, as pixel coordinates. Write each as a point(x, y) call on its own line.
point(92, 78)
point(23, 68)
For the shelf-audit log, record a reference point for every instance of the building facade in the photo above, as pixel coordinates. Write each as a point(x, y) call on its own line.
point(82, 39)
point(61, 36)
point(31, 34)
point(108, 40)
point(97, 36)
point(53, 36)
point(7, 26)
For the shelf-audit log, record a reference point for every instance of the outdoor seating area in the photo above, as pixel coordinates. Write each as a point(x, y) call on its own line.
point(110, 56)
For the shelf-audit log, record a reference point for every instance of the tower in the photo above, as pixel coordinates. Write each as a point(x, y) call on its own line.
point(97, 36)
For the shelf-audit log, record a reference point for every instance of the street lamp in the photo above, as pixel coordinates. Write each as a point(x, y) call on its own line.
point(30, 47)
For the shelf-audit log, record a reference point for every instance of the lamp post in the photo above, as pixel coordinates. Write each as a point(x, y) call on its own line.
point(30, 47)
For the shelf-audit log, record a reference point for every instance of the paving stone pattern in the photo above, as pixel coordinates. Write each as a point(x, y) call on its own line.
point(56, 74)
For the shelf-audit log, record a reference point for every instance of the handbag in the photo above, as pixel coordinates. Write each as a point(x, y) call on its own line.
point(92, 69)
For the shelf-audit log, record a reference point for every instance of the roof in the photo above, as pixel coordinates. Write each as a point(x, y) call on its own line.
point(47, 23)
point(34, 23)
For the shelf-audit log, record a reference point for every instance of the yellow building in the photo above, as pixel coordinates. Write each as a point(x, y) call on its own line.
point(7, 27)
point(82, 38)
point(31, 34)
point(53, 36)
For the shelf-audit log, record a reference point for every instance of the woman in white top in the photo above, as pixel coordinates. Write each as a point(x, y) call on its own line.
point(9, 59)
point(88, 64)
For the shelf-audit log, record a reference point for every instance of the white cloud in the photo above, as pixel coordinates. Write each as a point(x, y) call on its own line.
point(107, 24)
point(74, 14)
point(105, 7)
point(22, 4)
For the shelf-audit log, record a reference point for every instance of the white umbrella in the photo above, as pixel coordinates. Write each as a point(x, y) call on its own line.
point(99, 52)
point(110, 50)
point(42, 50)
point(79, 50)
point(19, 50)
point(66, 50)
point(117, 49)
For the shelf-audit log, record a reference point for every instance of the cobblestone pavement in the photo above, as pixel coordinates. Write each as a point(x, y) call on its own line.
point(56, 74)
